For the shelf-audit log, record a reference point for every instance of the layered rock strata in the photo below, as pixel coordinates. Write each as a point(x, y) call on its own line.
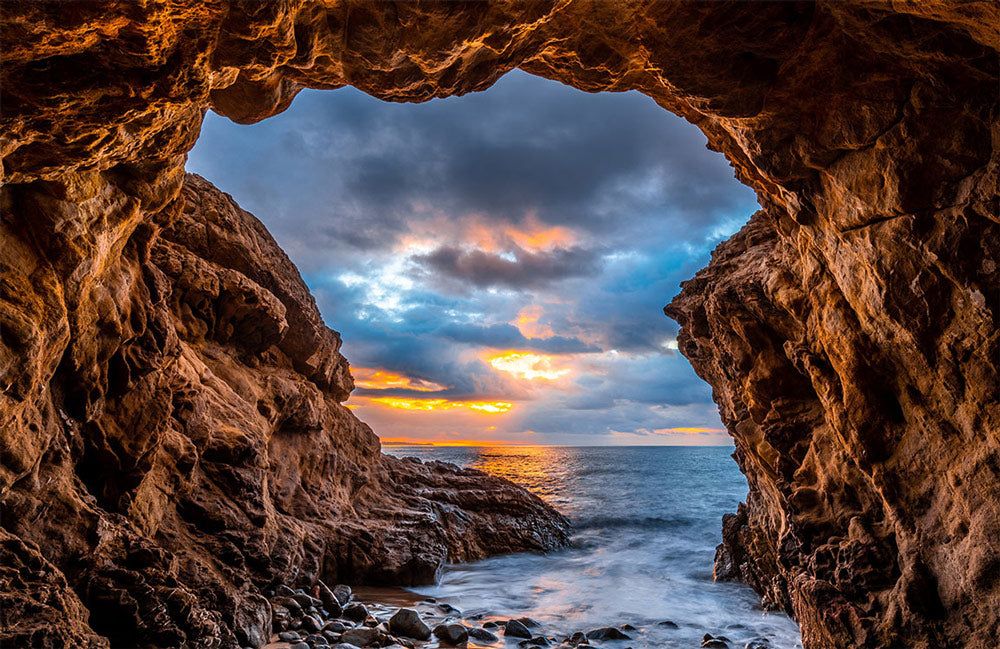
point(160, 387)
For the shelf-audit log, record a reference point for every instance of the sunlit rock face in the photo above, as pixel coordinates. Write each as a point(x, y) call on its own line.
point(170, 419)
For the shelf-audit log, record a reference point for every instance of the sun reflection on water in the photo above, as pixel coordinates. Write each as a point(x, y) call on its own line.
point(540, 469)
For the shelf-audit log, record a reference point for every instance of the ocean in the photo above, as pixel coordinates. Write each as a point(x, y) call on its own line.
point(645, 523)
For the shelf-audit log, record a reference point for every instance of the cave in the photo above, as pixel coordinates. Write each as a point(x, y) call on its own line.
point(161, 467)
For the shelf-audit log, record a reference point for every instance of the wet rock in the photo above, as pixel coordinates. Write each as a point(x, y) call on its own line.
point(758, 643)
point(668, 624)
point(312, 624)
point(355, 612)
point(289, 636)
point(288, 603)
point(607, 633)
point(361, 636)
point(451, 634)
point(482, 635)
point(537, 641)
point(708, 641)
point(516, 629)
point(306, 601)
point(343, 593)
point(407, 622)
point(335, 625)
point(330, 600)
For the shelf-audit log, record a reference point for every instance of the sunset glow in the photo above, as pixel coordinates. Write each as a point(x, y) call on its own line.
point(526, 365)
point(376, 379)
point(487, 407)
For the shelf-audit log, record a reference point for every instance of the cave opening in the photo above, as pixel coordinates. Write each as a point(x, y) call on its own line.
point(496, 264)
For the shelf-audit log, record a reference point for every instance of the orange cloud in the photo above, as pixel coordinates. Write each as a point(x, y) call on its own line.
point(486, 407)
point(536, 237)
point(377, 379)
point(527, 365)
point(527, 323)
point(665, 431)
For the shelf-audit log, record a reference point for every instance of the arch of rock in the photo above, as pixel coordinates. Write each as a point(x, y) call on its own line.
point(171, 427)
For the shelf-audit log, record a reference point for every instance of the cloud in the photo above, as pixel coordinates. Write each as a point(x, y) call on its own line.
point(520, 269)
point(531, 217)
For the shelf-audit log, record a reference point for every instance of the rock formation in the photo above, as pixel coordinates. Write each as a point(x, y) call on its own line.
point(170, 424)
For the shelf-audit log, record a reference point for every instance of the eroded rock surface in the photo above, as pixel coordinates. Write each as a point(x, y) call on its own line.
point(197, 451)
point(171, 429)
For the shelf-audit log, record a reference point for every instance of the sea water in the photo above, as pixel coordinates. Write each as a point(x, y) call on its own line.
point(645, 523)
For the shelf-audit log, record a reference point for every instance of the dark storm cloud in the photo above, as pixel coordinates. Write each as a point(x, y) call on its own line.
point(505, 335)
point(526, 270)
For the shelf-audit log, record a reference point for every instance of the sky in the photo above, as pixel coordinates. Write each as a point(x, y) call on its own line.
point(497, 264)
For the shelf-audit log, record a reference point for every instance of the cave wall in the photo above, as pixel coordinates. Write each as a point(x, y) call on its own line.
point(849, 331)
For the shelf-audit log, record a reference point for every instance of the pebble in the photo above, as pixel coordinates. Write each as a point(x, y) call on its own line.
point(360, 636)
point(451, 634)
point(356, 612)
point(483, 635)
point(607, 633)
point(289, 636)
point(342, 593)
point(516, 629)
point(312, 624)
point(407, 622)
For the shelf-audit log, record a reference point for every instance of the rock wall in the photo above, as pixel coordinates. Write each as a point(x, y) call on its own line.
point(170, 407)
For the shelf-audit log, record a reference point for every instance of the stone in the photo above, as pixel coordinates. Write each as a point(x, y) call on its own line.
point(331, 603)
point(361, 636)
point(482, 635)
point(668, 624)
point(407, 622)
point(355, 612)
point(516, 629)
point(451, 634)
point(607, 633)
point(343, 593)
point(289, 636)
point(312, 624)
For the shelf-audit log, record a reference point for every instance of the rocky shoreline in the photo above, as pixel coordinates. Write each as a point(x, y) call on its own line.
point(340, 618)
